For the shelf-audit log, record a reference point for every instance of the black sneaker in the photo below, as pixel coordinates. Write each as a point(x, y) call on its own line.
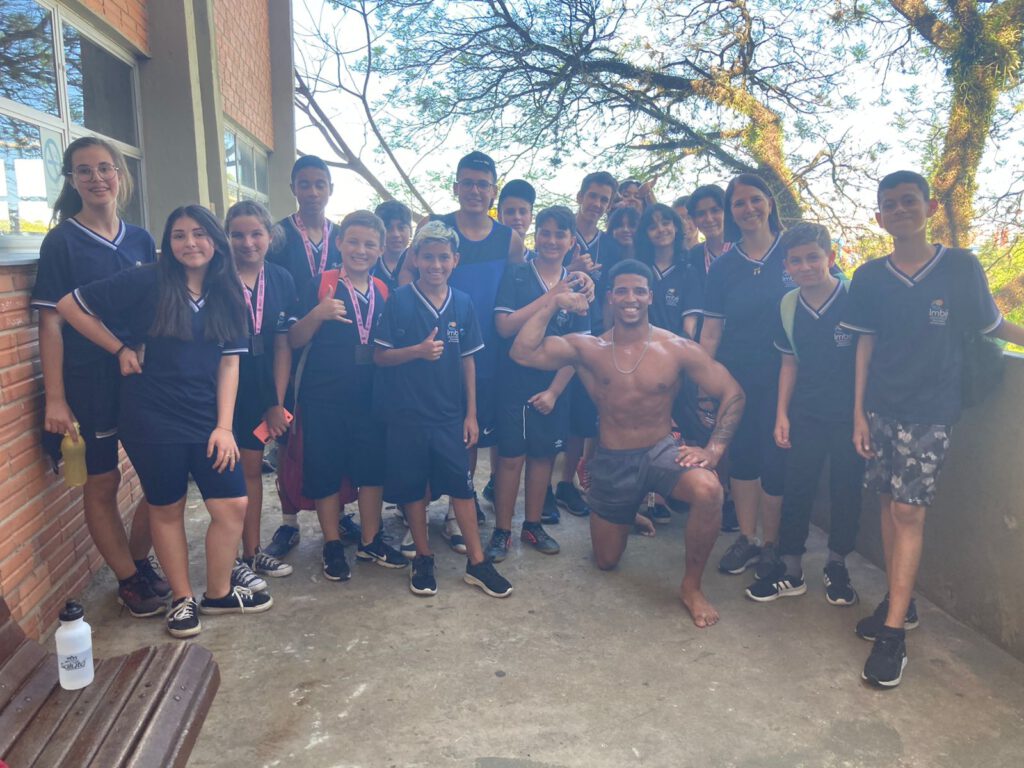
point(659, 514)
point(539, 539)
point(741, 555)
point(421, 576)
point(730, 523)
point(775, 586)
point(498, 546)
point(146, 568)
point(242, 575)
point(377, 551)
point(335, 565)
point(285, 538)
point(887, 660)
point(568, 496)
point(134, 593)
point(869, 627)
point(489, 580)
point(183, 618)
point(838, 590)
point(238, 600)
point(488, 492)
point(550, 514)
point(769, 562)
point(349, 530)
point(479, 512)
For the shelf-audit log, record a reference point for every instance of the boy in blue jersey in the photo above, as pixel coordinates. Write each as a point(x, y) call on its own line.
point(910, 311)
point(427, 341)
point(397, 220)
point(532, 411)
point(814, 418)
point(515, 209)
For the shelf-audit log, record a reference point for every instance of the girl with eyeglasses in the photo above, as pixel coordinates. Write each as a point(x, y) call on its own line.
point(82, 380)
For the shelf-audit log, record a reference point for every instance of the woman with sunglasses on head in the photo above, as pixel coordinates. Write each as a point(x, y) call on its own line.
point(81, 380)
point(186, 326)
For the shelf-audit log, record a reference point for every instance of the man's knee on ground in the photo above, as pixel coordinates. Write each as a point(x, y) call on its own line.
point(606, 562)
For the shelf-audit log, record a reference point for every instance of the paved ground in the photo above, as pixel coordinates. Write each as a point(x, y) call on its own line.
point(578, 668)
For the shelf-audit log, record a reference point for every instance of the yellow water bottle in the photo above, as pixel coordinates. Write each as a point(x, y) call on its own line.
point(75, 473)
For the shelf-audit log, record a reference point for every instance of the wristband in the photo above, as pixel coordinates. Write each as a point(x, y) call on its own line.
point(120, 349)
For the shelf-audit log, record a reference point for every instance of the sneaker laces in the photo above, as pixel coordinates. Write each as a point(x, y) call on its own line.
point(244, 575)
point(185, 609)
point(242, 595)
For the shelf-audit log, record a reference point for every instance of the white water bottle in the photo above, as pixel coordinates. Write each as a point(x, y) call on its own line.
point(74, 648)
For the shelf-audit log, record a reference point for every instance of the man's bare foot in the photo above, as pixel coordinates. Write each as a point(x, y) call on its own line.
point(643, 525)
point(703, 612)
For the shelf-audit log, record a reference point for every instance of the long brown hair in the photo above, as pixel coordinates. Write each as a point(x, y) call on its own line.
point(69, 202)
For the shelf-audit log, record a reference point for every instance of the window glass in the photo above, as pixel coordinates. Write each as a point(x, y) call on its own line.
point(262, 176)
point(27, 55)
point(132, 212)
point(24, 209)
point(246, 174)
point(100, 94)
point(232, 159)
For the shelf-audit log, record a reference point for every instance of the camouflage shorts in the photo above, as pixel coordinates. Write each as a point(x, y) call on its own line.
point(908, 459)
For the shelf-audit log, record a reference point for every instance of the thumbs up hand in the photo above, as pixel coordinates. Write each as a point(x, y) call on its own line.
point(430, 348)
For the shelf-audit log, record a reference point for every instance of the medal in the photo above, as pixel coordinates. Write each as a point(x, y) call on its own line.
point(363, 355)
point(255, 345)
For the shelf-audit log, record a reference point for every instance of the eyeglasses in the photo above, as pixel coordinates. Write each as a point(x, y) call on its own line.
point(480, 185)
point(104, 171)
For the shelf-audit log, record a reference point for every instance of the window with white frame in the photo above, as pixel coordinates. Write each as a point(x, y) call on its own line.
point(246, 168)
point(58, 81)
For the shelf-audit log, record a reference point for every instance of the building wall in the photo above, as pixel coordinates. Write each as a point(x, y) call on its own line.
point(243, 57)
point(129, 17)
point(46, 555)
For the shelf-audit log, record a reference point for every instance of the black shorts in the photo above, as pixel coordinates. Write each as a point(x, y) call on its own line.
point(418, 457)
point(338, 442)
point(249, 412)
point(163, 470)
point(582, 411)
point(93, 394)
point(487, 412)
point(523, 430)
point(753, 453)
point(619, 480)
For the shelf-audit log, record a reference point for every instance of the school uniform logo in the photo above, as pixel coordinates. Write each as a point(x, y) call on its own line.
point(787, 280)
point(671, 298)
point(453, 332)
point(937, 313)
point(562, 319)
point(841, 337)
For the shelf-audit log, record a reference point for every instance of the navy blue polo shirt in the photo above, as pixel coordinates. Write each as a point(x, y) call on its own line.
point(291, 254)
point(426, 392)
point(72, 255)
point(745, 294)
point(174, 399)
point(256, 372)
point(332, 373)
point(387, 276)
point(520, 286)
point(827, 358)
point(481, 265)
point(918, 322)
point(604, 252)
point(677, 293)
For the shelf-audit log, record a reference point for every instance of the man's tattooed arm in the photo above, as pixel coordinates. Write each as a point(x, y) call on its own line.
point(729, 414)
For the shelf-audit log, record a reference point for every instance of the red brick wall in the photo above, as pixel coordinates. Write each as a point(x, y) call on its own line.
point(126, 16)
point(46, 554)
point(243, 56)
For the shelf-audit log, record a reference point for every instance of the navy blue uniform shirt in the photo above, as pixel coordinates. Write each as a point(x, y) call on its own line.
point(426, 392)
point(72, 255)
point(174, 399)
point(918, 322)
point(827, 356)
point(520, 286)
point(256, 371)
point(389, 277)
point(481, 265)
point(604, 252)
point(292, 254)
point(332, 373)
point(677, 292)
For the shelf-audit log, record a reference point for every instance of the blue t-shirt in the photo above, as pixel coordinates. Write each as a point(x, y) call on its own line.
point(918, 322)
point(256, 370)
point(174, 399)
point(481, 265)
point(520, 286)
point(336, 370)
point(678, 292)
point(291, 254)
point(72, 255)
point(389, 277)
point(604, 252)
point(426, 392)
point(827, 357)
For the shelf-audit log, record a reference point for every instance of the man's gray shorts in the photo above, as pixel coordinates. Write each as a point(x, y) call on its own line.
point(620, 480)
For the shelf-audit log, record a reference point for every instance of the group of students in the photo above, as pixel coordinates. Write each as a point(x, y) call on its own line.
point(403, 353)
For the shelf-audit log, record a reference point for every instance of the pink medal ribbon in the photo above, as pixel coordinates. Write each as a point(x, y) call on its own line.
point(708, 258)
point(362, 328)
point(256, 314)
point(301, 227)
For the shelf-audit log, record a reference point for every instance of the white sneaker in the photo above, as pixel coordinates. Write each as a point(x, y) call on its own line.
point(243, 576)
point(453, 535)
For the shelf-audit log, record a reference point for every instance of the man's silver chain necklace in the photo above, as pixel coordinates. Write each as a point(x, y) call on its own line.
point(639, 360)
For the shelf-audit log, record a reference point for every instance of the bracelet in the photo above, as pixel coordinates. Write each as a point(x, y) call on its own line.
point(120, 349)
point(229, 429)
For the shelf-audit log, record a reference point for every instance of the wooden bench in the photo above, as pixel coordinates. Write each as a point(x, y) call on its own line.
point(143, 710)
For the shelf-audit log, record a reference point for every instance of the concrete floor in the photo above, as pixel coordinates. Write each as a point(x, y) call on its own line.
point(577, 668)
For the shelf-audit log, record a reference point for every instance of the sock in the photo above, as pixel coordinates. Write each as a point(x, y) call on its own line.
point(527, 525)
point(836, 558)
point(290, 519)
point(129, 580)
point(888, 631)
point(793, 565)
point(141, 563)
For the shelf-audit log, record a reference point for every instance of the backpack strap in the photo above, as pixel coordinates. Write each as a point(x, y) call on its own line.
point(328, 283)
point(382, 287)
point(787, 309)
